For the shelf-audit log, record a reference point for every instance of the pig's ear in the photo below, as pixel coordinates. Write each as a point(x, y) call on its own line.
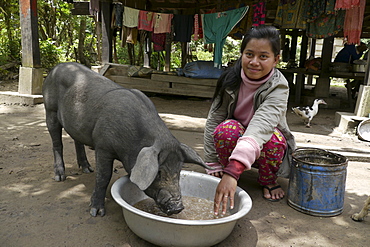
point(146, 168)
point(191, 156)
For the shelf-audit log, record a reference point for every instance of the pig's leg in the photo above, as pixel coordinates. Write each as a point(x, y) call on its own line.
point(104, 167)
point(81, 158)
point(55, 130)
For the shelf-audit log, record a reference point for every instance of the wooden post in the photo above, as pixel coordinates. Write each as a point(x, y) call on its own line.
point(304, 46)
point(184, 53)
point(293, 44)
point(301, 78)
point(106, 12)
point(30, 74)
point(367, 71)
point(322, 87)
point(312, 55)
point(29, 31)
point(167, 58)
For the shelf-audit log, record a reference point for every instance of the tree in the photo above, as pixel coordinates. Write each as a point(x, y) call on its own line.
point(9, 31)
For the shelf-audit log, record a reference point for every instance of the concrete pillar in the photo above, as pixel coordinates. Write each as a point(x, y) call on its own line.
point(363, 102)
point(30, 80)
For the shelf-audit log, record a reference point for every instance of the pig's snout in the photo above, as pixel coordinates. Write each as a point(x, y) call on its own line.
point(168, 203)
point(173, 208)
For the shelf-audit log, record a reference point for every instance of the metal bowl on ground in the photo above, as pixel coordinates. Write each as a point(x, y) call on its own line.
point(164, 231)
point(363, 130)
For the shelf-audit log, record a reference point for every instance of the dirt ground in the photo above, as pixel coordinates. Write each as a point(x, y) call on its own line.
point(37, 211)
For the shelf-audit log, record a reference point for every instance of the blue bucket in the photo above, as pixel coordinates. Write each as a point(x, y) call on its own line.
point(317, 182)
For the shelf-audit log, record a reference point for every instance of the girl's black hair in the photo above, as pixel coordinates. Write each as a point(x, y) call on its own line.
point(231, 78)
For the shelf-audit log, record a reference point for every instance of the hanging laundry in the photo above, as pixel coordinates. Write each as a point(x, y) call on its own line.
point(353, 23)
point(217, 26)
point(118, 12)
point(162, 22)
point(132, 34)
point(130, 17)
point(94, 7)
point(259, 14)
point(201, 25)
point(146, 20)
point(196, 27)
point(346, 4)
point(322, 19)
point(314, 9)
point(290, 14)
point(243, 25)
point(159, 41)
point(183, 27)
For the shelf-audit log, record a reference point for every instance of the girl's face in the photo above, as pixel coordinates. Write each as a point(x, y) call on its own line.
point(258, 59)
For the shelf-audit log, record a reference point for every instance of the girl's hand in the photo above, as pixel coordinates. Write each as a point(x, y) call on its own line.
point(225, 191)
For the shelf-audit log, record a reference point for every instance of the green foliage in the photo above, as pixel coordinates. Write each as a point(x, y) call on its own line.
point(176, 55)
point(123, 56)
point(50, 54)
point(9, 31)
point(231, 50)
point(10, 50)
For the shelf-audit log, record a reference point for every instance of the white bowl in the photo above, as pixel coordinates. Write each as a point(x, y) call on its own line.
point(165, 231)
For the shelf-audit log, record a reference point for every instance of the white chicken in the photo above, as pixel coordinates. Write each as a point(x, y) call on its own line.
point(308, 112)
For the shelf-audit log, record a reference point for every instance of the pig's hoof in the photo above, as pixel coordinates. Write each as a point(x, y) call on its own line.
point(94, 212)
point(88, 169)
point(59, 178)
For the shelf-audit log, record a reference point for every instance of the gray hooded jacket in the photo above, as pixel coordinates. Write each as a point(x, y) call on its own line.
point(270, 106)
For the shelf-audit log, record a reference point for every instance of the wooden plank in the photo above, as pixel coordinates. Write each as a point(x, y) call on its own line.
point(137, 81)
point(185, 80)
point(104, 69)
point(202, 91)
point(154, 86)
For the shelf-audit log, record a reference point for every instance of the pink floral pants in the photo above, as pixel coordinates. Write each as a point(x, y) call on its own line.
point(226, 136)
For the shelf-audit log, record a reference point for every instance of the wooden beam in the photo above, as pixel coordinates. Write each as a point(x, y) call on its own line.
point(167, 58)
point(106, 12)
point(29, 30)
point(326, 54)
point(293, 44)
point(322, 87)
point(80, 8)
point(303, 54)
point(184, 53)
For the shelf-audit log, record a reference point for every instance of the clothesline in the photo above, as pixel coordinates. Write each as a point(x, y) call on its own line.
point(214, 27)
point(323, 18)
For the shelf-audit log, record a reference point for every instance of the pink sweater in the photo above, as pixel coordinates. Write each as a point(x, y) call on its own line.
point(247, 149)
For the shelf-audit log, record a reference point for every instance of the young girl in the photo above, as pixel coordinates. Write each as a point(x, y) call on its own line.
point(246, 125)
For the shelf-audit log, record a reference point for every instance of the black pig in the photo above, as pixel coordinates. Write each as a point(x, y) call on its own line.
point(118, 123)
